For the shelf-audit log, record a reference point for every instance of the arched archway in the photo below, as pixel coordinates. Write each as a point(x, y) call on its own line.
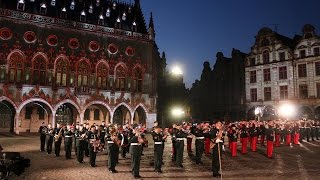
point(140, 116)
point(305, 112)
point(67, 113)
point(250, 114)
point(32, 113)
point(7, 116)
point(121, 115)
point(97, 112)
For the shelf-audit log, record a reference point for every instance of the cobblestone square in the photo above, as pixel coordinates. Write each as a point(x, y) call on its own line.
point(296, 162)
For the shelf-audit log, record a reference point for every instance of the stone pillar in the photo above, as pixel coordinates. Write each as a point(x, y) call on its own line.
point(111, 118)
point(17, 129)
point(81, 117)
point(53, 115)
point(131, 117)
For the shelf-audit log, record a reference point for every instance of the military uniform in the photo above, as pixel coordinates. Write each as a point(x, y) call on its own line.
point(199, 143)
point(42, 130)
point(92, 154)
point(173, 140)
point(179, 144)
point(113, 150)
point(158, 151)
point(244, 139)
point(270, 139)
point(233, 137)
point(68, 137)
point(49, 140)
point(57, 144)
point(80, 143)
point(215, 151)
point(317, 133)
point(308, 131)
point(135, 151)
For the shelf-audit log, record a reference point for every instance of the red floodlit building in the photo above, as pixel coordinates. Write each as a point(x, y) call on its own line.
point(76, 61)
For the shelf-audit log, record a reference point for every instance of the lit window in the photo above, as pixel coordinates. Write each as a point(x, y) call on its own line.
point(53, 3)
point(114, 5)
point(124, 16)
point(118, 20)
point(63, 13)
point(98, 3)
point(90, 9)
point(72, 5)
point(83, 16)
point(101, 20)
point(108, 12)
point(43, 8)
point(20, 5)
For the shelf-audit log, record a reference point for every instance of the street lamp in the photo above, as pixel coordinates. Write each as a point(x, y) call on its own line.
point(257, 112)
point(176, 70)
point(287, 110)
point(177, 112)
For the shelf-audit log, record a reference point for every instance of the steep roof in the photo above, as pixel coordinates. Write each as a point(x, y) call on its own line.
point(93, 11)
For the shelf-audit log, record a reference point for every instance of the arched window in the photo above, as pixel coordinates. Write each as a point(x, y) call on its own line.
point(102, 73)
point(39, 67)
point(265, 56)
point(16, 66)
point(137, 80)
point(120, 78)
point(61, 69)
point(83, 71)
point(96, 114)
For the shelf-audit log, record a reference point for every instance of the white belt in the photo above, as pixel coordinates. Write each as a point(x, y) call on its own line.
point(135, 144)
point(110, 142)
point(199, 137)
point(180, 139)
point(157, 142)
point(68, 136)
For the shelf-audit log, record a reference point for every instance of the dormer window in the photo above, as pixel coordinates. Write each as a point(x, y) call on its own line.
point(72, 5)
point(108, 12)
point(118, 20)
point(124, 16)
point(118, 23)
point(308, 35)
point(265, 42)
point(53, 3)
point(114, 6)
point(98, 3)
point(101, 20)
point(20, 5)
point(83, 16)
point(134, 26)
point(265, 56)
point(90, 9)
point(129, 10)
point(43, 8)
point(63, 13)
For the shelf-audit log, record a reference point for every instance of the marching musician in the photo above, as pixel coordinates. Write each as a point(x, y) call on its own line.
point(86, 142)
point(179, 145)
point(58, 131)
point(270, 138)
point(215, 138)
point(158, 138)
point(277, 131)
point(42, 131)
point(80, 136)
point(68, 134)
point(92, 137)
point(189, 137)
point(74, 142)
point(49, 138)
point(233, 137)
point(173, 140)
point(136, 150)
point(199, 143)
point(125, 141)
point(296, 134)
point(244, 138)
point(113, 148)
point(288, 134)
point(317, 133)
point(253, 131)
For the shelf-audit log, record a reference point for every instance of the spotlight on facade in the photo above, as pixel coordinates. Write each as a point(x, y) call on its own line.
point(177, 112)
point(286, 110)
point(257, 111)
point(176, 70)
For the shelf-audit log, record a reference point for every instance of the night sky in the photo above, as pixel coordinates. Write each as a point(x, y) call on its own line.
point(191, 32)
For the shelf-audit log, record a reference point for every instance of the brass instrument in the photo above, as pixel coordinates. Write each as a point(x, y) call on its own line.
point(56, 137)
point(213, 141)
point(95, 144)
point(84, 136)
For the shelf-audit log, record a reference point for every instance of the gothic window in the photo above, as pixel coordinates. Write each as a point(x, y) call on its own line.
point(43, 8)
point(96, 114)
point(39, 67)
point(102, 74)
point(16, 66)
point(120, 78)
point(137, 80)
point(253, 61)
point(87, 114)
point(21, 5)
point(265, 56)
point(62, 70)
point(83, 71)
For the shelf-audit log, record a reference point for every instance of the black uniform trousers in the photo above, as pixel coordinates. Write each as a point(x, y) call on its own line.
point(49, 141)
point(80, 149)
point(179, 152)
point(86, 148)
point(57, 147)
point(92, 155)
point(317, 133)
point(135, 159)
point(112, 156)
point(215, 158)
point(199, 149)
point(308, 133)
point(174, 153)
point(75, 145)
point(158, 154)
point(42, 141)
point(68, 147)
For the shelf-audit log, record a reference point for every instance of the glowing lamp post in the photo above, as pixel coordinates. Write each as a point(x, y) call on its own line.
point(176, 71)
point(177, 112)
point(257, 112)
point(287, 110)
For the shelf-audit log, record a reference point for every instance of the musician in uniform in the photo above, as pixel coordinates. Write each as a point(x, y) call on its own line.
point(92, 145)
point(42, 131)
point(317, 133)
point(158, 138)
point(136, 150)
point(179, 144)
point(113, 147)
point(199, 143)
point(270, 138)
point(233, 137)
point(49, 138)
point(308, 130)
point(125, 142)
point(244, 139)
point(173, 140)
point(80, 136)
point(74, 142)
point(86, 143)
point(277, 131)
point(215, 139)
point(68, 141)
point(253, 132)
point(58, 131)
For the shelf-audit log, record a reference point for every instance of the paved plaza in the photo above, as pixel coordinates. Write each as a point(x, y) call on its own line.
point(296, 162)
